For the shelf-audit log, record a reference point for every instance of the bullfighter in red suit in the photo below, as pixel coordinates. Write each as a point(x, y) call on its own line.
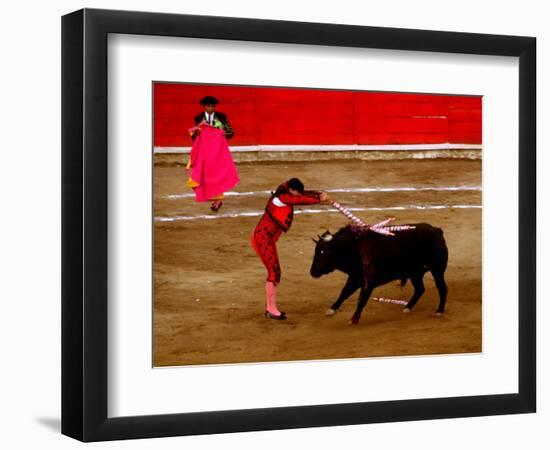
point(276, 219)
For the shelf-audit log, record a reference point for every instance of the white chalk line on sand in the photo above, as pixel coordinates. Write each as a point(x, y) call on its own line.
point(344, 190)
point(311, 211)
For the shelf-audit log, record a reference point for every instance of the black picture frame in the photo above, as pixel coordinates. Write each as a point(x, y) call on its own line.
point(84, 224)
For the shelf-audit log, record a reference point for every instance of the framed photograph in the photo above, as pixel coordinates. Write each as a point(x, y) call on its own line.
point(271, 224)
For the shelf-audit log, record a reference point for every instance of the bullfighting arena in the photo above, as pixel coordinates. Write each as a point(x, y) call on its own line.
point(209, 283)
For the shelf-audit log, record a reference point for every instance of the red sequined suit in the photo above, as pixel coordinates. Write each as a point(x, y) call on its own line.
point(277, 218)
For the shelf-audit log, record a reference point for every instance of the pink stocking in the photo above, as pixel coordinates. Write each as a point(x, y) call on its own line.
point(271, 298)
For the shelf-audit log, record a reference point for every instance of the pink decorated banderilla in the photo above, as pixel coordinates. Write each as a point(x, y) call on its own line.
point(390, 300)
point(380, 227)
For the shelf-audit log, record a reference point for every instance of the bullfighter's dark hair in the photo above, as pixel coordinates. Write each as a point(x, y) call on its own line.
point(293, 183)
point(296, 184)
point(209, 100)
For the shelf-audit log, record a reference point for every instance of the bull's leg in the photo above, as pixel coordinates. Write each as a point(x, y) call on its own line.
point(418, 284)
point(352, 284)
point(366, 291)
point(441, 286)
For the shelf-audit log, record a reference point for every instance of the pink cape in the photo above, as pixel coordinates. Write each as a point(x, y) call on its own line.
point(212, 166)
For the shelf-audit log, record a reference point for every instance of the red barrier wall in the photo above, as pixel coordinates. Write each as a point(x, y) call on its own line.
point(311, 116)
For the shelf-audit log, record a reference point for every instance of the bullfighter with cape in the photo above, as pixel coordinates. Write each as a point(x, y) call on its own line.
point(212, 170)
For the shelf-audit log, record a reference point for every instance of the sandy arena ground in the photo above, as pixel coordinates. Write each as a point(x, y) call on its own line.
point(209, 282)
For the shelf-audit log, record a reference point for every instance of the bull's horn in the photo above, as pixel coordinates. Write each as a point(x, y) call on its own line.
point(327, 237)
point(313, 239)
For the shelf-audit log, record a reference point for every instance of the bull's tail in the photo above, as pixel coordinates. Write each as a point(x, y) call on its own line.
point(438, 271)
point(444, 251)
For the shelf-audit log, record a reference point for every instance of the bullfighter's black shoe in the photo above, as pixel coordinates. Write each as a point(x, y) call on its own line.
point(281, 316)
point(216, 206)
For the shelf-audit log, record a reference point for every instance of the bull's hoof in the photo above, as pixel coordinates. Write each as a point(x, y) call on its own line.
point(439, 313)
point(330, 312)
point(407, 310)
point(354, 321)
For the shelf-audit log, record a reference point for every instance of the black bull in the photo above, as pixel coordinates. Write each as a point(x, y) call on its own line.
point(371, 260)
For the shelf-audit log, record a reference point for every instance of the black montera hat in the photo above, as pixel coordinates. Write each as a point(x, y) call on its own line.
point(209, 100)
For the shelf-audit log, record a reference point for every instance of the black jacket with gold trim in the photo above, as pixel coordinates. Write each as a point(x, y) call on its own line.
point(222, 117)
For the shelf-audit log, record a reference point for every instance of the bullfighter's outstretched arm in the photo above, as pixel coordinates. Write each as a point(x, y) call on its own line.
point(307, 198)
